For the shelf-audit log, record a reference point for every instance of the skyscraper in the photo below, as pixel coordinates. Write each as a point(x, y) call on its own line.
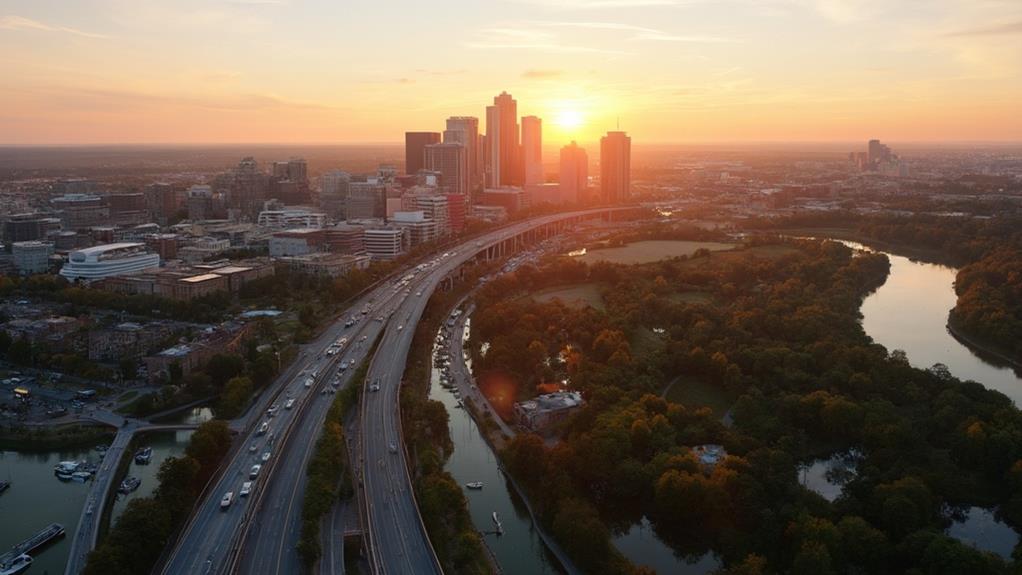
point(415, 143)
point(574, 174)
point(532, 150)
point(464, 130)
point(449, 159)
point(615, 167)
point(502, 142)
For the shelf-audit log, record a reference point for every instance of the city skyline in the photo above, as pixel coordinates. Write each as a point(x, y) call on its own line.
point(254, 71)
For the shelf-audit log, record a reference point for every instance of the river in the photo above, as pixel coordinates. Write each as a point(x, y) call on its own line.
point(37, 498)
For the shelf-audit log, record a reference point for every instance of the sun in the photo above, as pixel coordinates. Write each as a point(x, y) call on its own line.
point(569, 119)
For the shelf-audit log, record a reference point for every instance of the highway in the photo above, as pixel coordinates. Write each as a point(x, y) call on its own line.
point(213, 534)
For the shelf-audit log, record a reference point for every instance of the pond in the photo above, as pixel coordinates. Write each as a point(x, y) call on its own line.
point(982, 530)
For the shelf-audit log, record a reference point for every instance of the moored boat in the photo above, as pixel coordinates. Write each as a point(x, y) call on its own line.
point(17, 565)
point(474, 485)
point(144, 455)
point(129, 484)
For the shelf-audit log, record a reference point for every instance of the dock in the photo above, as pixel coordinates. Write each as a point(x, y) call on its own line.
point(51, 532)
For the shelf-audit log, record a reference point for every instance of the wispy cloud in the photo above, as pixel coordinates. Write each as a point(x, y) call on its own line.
point(536, 40)
point(642, 32)
point(541, 74)
point(1006, 29)
point(12, 22)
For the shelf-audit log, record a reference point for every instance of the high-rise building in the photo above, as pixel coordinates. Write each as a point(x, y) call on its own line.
point(532, 150)
point(615, 167)
point(415, 144)
point(435, 209)
point(464, 130)
point(333, 193)
point(449, 160)
point(574, 176)
point(366, 200)
point(246, 187)
point(502, 142)
point(81, 211)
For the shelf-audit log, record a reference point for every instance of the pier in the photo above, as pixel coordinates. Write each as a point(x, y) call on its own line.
point(51, 532)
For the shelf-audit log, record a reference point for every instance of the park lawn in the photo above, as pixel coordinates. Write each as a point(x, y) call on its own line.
point(575, 296)
point(694, 393)
point(650, 251)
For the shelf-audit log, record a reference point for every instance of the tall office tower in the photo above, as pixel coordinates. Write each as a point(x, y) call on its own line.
point(449, 160)
point(574, 174)
point(247, 187)
point(333, 193)
point(615, 167)
point(465, 130)
point(366, 200)
point(415, 144)
point(502, 142)
point(532, 150)
point(162, 202)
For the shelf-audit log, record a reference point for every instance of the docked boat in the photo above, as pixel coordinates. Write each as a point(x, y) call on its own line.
point(4, 485)
point(144, 455)
point(16, 565)
point(496, 521)
point(474, 485)
point(129, 484)
point(81, 476)
point(64, 469)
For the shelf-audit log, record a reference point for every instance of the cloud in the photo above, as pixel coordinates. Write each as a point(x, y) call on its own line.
point(541, 74)
point(1005, 29)
point(522, 39)
point(599, 4)
point(21, 23)
point(641, 33)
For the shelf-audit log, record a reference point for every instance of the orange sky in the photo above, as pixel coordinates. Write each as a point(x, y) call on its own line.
point(203, 71)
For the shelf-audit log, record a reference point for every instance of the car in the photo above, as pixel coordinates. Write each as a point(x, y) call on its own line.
point(400, 327)
point(266, 456)
point(253, 448)
point(290, 403)
point(375, 386)
point(308, 382)
point(246, 488)
point(272, 411)
point(393, 447)
point(364, 337)
point(227, 500)
point(263, 428)
point(418, 293)
point(254, 472)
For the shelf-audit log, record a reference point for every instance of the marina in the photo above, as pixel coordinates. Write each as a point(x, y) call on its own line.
point(14, 560)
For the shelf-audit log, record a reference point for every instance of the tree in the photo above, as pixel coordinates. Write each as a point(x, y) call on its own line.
point(128, 367)
point(235, 397)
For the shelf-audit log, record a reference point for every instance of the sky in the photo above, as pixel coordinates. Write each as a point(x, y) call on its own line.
point(666, 71)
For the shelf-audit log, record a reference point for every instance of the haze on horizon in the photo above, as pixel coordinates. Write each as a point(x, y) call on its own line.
point(315, 71)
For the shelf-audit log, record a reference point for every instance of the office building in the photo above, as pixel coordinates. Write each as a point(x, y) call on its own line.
point(333, 193)
point(502, 142)
point(435, 208)
point(162, 201)
point(457, 208)
point(327, 265)
point(574, 176)
point(246, 187)
point(464, 130)
point(28, 227)
point(81, 211)
point(366, 200)
point(415, 145)
point(510, 198)
point(532, 150)
point(103, 261)
point(289, 218)
point(296, 242)
point(615, 167)
point(449, 160)
point(418, 228)
point(32, 257)
point(385, 243)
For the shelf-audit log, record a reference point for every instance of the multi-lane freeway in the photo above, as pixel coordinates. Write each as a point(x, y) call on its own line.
point(258, 533)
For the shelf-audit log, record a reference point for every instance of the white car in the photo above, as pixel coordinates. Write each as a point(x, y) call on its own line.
point(255, 471)
point(266, 457)
point(273, 410)
point(393, 447)
point(227, 500)
point(308, 382)
point(290, 403)
point(253, 448)
point(246, 488)
point(263, 428)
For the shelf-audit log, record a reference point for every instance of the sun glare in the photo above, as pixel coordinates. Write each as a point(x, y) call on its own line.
point(569, 119)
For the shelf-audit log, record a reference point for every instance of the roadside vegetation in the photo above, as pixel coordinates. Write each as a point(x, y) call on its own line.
point(24, 438)
point(329, 470)
point(148, 524)
point(782, 338)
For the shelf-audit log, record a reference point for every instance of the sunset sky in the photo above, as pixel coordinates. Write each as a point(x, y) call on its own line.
point(203, 71)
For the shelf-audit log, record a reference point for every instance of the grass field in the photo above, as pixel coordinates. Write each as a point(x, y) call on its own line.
point(651, 251)
point(693, 393)
point(575, 296)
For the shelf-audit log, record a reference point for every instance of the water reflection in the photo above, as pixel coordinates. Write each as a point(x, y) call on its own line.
point(828, 477)
point(982, 530)
point(641, 546)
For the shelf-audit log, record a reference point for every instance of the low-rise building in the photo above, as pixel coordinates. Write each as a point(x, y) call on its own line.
point(127, 339)
point(325, 264)
point(296, 242)
point(103, 261)
point(545, 410)
point(385, 243)
point(32, 257)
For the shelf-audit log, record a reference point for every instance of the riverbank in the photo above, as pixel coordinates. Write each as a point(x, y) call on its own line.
point(982, 349)
point(851, 235)
point(34, 439)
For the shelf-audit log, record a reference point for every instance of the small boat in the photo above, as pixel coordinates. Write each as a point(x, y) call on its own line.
point(144, 455)
point(4, 485)
point(81, 476)
point(64, 469)
point(129, 484)
point(496, 521)
point(16, 565)
point(474, 485)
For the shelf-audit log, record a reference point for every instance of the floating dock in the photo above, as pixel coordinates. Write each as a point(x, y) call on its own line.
point(51, 532)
